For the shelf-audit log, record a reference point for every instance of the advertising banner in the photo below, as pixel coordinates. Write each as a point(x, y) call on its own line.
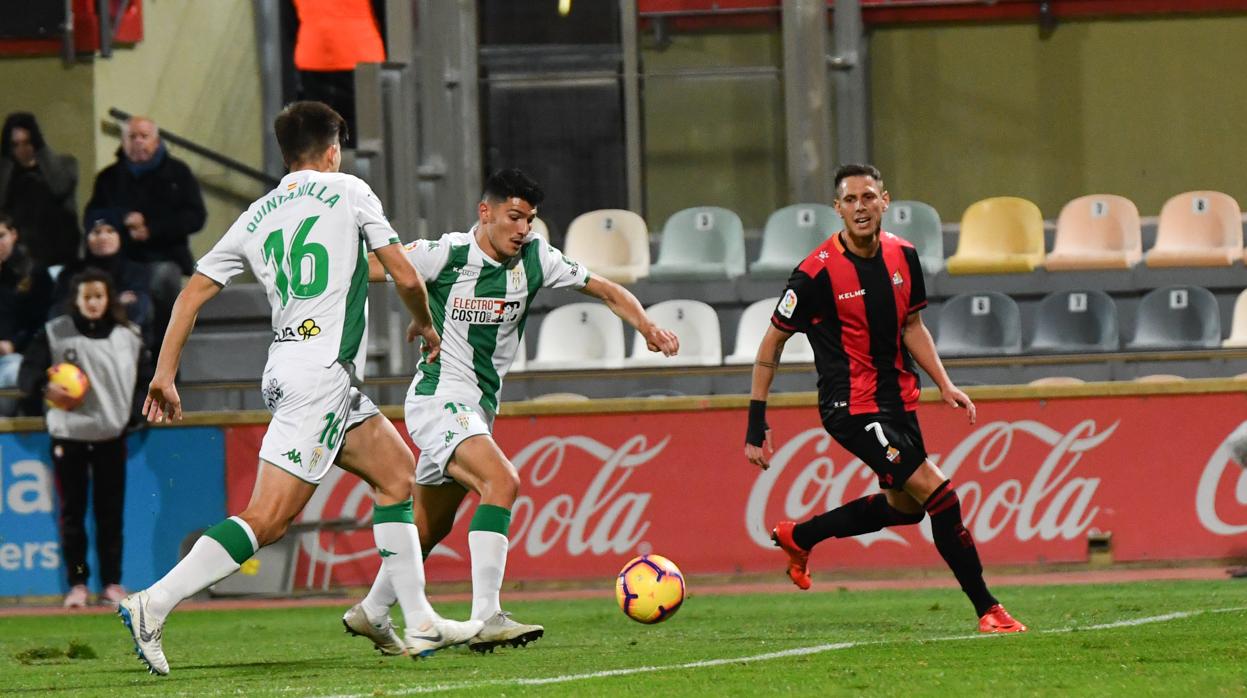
point(174, 486)
point(1035, 477)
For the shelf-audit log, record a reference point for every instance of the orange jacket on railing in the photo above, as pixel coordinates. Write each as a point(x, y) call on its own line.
point(336, 35)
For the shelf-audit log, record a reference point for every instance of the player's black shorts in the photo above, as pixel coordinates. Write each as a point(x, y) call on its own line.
point(891, 444)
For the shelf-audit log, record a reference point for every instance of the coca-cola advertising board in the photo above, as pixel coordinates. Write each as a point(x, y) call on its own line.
point(1035, 477)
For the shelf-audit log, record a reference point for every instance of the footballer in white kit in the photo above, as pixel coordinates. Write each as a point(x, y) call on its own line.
point(479, 306)
point(316, 279)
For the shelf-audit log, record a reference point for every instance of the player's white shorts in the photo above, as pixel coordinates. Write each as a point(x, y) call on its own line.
point(437, 426)
point(313, 407)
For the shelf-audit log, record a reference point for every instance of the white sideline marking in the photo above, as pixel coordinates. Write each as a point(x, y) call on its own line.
point(781, 654)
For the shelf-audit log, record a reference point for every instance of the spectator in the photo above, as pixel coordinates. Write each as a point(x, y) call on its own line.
point(25, 296)
point(158, 202)
point(38, 188)
point(131, 279)
point(334, 36)
point(88, 435)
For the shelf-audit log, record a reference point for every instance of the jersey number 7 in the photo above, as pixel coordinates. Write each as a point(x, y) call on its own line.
point(297, 281)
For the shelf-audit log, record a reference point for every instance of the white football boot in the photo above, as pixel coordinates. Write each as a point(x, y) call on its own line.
point(382, 634)
point(146, 630)
point(433, 636)
point(499, 629)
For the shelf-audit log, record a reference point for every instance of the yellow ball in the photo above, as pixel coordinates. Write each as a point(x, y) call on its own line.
point(649, 589)
point(73, 380)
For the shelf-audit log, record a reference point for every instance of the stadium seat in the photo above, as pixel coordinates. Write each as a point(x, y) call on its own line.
point(579, 336)
point(753, 324)
point(1075, 322)
point(791, 233)
point(918, 223)
point(539, 226)
point(1001, 235)
point(561, 397)
point(1238, 324)
point(225, 356)
point(1159, 378)
point(611, 242)
point(1057, 380)
point(1100, 231)
point(697, 326)
point(1198, 229)
point(520, 363)
point(701, 243)
point(1177, 317)
point(986, 323)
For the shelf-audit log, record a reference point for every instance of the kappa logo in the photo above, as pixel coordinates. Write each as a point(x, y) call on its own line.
point(385, 553)
point(294, 456)
point(450, 436)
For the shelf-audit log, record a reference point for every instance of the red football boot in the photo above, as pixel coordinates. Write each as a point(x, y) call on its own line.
point(998, 620)
point(798, 557)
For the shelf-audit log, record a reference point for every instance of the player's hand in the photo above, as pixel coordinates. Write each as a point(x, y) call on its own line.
point(6, 347)
point(657, 339)
point(432, 340)
point(758, 454)
point(137, 225)
point(954, 397)
point(162, 403)
point(56, 394)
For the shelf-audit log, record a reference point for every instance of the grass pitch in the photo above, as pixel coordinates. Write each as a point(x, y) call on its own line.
point(1154, 638)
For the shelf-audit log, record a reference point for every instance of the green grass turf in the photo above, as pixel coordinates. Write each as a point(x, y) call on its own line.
point(907, 647)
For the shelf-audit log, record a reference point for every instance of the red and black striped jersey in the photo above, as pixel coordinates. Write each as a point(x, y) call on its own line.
point(853, 310)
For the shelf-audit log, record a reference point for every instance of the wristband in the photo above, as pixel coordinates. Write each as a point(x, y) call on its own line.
point(755, 433)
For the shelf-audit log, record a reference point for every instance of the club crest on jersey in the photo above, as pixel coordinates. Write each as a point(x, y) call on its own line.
point(515, 279)
point(464, 421)
point(484, 311)
point(788, 303)
point(897, 280)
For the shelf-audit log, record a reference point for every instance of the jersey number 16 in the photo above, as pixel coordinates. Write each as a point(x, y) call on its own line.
point(308, 263)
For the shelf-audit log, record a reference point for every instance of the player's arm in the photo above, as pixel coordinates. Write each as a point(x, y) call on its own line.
point(917, 339)
point(622, 303)
point(758, 434)
point(376, 271)
point(163, 402)
point(411, 289)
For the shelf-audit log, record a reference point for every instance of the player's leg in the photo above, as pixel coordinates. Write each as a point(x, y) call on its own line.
point(479, 465)
point(434, 507)
point(276, 499)
point(934, 490)
point(892, 455)
point(375, 451)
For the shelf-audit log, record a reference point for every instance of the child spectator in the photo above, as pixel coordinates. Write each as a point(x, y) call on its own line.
point(88, 435)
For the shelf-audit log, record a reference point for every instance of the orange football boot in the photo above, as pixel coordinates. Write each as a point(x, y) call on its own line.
point(998, 620)
point(798, 557)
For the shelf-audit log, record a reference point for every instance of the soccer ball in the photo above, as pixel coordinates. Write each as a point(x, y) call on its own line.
point(73, 380)
point(649, 589)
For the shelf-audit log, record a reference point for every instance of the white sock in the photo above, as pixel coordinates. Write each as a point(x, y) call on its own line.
point(380, 597)
point(489, 563)
point(403, 568)
point(207, 563)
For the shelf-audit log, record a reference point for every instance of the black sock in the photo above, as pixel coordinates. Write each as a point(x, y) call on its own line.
point(864, 515)
point(956, 546)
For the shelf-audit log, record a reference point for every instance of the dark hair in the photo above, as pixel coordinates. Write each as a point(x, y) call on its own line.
point(305, 129)
point(20, 119)
point(7, 221)
point(857, 170)
point(116, 312)
point(504, 184)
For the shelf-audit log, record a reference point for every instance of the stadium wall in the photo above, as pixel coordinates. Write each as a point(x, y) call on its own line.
point(1043, 471)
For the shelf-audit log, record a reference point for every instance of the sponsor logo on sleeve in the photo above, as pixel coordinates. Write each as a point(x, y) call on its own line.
point(788, 303)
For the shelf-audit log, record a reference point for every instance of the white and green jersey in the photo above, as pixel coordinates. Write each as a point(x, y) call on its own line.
point(307, 243)
point(479, 308)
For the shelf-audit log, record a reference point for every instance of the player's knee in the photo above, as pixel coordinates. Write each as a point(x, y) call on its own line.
point(502, 488)
point(267, 527)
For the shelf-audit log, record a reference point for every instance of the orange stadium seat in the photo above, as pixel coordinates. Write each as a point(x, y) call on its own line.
point(1198, 229)
point(1001, 235)
point(1100, 231)
point(1057, 380)
point(611, 242)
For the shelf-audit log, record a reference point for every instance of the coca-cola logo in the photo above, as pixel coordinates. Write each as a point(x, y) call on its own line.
point(605, 518)
point(1055, 502)
point(1225, 465)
